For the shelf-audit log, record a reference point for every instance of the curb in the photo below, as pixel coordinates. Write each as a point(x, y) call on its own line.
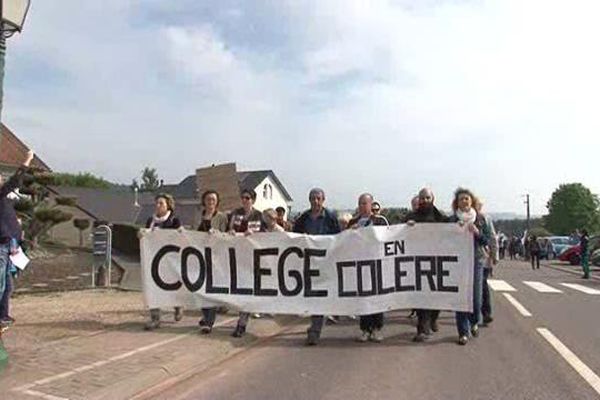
point(570, 271)
point(152, 391)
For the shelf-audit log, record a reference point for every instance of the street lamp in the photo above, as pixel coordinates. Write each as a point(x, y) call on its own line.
point(12, 17)
point(13, 13)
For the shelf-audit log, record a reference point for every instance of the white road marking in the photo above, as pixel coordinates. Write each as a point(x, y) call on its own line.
point(581, 288)
point(570, 357)
point(517, 305)
point(27, 388)
point(43, 395)
point(541, 287)
point(499, 285)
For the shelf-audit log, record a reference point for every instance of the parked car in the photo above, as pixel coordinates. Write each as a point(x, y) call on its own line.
point(558, 245)
point(573, 254)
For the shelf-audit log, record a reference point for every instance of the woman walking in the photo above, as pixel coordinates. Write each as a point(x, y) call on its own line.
point(465, 206)
point(245, 221)
point(163, 218)
point(212, 221)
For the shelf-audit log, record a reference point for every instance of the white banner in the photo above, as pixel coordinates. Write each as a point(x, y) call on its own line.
point(356, 272)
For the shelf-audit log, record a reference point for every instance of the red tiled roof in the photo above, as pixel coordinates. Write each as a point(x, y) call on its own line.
point(13, 151)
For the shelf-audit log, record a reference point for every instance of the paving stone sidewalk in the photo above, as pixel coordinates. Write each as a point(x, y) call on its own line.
point(91, 345)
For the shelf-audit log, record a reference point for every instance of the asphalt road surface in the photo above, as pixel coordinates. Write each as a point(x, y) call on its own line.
point(543, 344)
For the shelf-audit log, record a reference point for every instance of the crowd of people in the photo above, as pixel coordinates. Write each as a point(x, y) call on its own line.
point(467, 211)
point(319, 220)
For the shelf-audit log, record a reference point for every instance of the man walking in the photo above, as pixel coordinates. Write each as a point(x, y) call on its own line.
point(316, 221)
point(426, 213)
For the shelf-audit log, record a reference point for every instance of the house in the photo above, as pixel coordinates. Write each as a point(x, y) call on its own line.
point(13, 153)
point(225, 179)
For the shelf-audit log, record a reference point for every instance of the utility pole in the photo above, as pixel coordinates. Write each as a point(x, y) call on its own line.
point(528, 212)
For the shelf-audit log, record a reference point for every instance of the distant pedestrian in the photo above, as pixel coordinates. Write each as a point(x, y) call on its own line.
point(465, 207)
point(163, 218)
point(316, 221)
point(585, 254)
point(245, 221)
point(426, 212)
point(534, 249)
point(212, 221)
point(372, 324)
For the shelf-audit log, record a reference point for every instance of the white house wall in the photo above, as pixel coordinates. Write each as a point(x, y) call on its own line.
point(276, 200)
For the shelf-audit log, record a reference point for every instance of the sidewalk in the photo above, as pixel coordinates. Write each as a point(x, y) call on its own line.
point(91, 345)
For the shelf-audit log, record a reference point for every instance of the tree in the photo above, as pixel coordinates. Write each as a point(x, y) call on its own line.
point(516, 227)
point(38, 213)
point(82, 224)
point(573, 206)
point(150, 181)
point(81, 179)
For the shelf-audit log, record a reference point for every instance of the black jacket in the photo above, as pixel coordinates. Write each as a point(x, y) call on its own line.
point(9, 226)
point(170, 223)
point(331, 224)
point(427, 215)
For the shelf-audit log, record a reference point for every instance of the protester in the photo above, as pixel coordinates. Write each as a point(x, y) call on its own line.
point(163, 218)
point(584, 240)
point(344, 220)
point(426, 212)
point(414, 206)
point(465, 206)
point(377, 211)
point(316, 221)
point(370, 325)
point(281, 219)
point(270, 217)
point(414, 203)
point(10, 230)
point(212, 221)
point(245, 221)
point(491, 259)
point(533, 248)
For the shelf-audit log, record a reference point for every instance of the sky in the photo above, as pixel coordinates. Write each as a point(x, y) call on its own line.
point(352, 96)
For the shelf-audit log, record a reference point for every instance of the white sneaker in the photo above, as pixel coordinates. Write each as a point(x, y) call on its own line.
point(376, 337)
point(364, 337)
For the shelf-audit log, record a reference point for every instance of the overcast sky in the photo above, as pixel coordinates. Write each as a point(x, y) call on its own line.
point(382, 96)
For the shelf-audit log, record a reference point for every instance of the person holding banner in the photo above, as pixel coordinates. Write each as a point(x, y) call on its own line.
point(426, 212)
point(163, 218)
point(212, 221)
point(465, 206)
point(370, 325)
point(245, 221)
point(316, 221)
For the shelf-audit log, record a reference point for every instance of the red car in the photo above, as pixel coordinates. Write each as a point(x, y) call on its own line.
point(571, 255)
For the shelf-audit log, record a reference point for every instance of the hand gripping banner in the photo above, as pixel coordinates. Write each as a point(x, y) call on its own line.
point(356, 272)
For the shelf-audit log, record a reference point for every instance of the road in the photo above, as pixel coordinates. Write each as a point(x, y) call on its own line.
point(551, 352)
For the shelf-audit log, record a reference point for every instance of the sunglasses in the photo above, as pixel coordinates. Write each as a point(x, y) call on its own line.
point(246, 198)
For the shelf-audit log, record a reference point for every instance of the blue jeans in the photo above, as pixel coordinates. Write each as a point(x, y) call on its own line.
point(5, 300)
point(4, 263)
point(465, 320)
